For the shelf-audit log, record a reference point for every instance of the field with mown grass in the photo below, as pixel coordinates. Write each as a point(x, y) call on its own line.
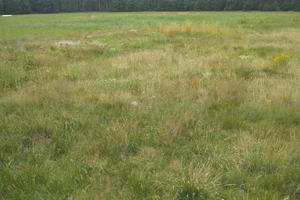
point(154, 105)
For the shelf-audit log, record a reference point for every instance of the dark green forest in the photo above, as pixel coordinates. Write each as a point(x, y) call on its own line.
point(52, 6)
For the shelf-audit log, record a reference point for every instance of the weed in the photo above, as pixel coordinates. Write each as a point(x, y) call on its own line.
point(245, 72)
point(189, 192)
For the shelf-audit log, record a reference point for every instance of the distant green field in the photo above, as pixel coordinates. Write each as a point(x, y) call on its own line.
point(153, 105)
point(71, 24)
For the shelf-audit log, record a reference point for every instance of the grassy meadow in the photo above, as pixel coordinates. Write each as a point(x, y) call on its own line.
point(154, 105)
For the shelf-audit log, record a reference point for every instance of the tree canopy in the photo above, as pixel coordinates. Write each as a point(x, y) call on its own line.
point(52, 6)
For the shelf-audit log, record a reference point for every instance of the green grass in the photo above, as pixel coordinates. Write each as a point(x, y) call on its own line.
point(154, 105)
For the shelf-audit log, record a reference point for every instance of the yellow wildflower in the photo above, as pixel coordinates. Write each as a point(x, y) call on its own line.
point(281, 58)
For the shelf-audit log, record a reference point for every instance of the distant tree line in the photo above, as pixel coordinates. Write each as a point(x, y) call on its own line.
point(52, 6)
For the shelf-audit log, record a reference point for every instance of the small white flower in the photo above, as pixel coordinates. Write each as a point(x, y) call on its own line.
point(140, 78)
point(124, 66)
point(245, 57)
point(268, 100)
point(206, 74)
point(134, 103)
point(286, 198)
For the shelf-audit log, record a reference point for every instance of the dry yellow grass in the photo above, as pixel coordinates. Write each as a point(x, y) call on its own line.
point(192, 29)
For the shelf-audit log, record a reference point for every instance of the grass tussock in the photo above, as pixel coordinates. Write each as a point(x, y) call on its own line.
point(173, 106)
